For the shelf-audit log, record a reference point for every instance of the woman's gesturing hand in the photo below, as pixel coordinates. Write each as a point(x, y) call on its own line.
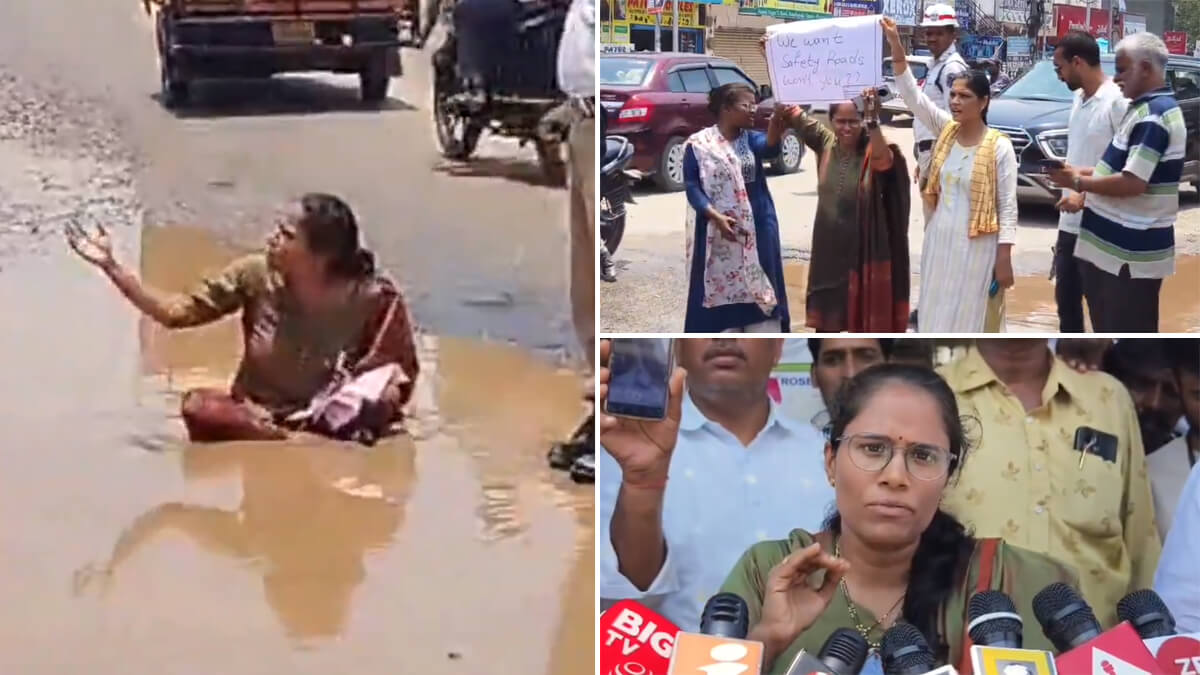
point(790, 604)
point(94, 247)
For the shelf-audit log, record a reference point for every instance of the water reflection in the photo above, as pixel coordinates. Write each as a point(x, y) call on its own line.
point(1031, 305)
point(299, 557)
point(309, 514)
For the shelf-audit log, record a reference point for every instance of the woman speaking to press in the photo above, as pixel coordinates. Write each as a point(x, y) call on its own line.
point(888, 552)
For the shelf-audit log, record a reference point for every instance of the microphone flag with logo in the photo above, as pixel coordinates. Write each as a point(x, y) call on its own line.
point(635, 640)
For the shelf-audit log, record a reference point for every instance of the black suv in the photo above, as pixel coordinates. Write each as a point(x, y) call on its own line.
point(1034, 111)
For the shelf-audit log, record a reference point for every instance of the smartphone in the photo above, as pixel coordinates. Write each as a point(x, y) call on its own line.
point(1049, 165)
point(639, 377)
point(1095, 442)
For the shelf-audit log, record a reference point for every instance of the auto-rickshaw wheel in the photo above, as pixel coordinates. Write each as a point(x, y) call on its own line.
point(457, 134)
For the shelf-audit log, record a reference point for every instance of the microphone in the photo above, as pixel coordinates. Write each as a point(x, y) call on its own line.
point(993, 621)
point(1066, 619)
point(1147, 613)
point(997, 631)
point(905, 652)
point(635, 640)
point(720, 647)
point(845, 652)
point(725, 615)
point(1071, 625)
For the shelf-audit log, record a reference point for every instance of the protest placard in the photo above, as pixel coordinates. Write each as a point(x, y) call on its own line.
point(826, 60)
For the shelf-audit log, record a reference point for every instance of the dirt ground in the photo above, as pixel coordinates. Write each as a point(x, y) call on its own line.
point(650, 294)
point(452, 549)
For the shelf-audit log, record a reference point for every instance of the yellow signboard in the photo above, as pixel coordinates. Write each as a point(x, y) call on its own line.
point(689, 14)
point(785, 9)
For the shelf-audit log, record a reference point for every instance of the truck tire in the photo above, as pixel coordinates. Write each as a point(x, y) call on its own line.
point(175, 90)
point(374, 79)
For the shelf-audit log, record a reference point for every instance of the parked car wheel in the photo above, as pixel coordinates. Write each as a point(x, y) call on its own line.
point(790, 154)
point(669, 176)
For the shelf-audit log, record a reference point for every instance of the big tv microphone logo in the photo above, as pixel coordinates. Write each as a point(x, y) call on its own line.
point(635, 641)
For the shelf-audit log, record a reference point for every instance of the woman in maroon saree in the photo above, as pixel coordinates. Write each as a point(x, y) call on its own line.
point(315, 313)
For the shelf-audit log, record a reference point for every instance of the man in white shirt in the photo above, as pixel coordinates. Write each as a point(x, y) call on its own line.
point(1096, 116)
point(1176, 580)
point(739, 472)
point(940, 26)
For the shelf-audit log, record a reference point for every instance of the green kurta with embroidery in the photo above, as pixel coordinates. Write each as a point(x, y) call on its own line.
point(1017, 572)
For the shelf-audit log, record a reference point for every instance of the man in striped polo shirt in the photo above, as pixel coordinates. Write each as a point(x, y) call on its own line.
point(1126, 243)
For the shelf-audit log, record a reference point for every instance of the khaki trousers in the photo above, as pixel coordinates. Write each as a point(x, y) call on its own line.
point(582, 188)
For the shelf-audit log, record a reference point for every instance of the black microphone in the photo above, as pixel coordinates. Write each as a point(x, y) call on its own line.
point(905, 652)
point(845, 652)
point(1067, 620)
point(993, 621)
point(726, 615)
point(1147, 613)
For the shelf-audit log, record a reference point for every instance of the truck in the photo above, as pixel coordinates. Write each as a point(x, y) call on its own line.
point(245, 39)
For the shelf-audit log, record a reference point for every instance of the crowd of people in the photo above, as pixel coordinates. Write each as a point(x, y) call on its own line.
point(1021, 463)
point(1119, 202)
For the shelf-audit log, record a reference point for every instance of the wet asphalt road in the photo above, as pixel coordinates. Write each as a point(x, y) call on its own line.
point(480, 248)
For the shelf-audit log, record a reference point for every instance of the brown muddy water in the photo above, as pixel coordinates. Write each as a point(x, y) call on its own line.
point(127, 550)
point(1031, 306)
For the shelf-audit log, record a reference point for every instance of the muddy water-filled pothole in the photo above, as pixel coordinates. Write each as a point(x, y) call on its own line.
point(1031, 305)
point(452, 549)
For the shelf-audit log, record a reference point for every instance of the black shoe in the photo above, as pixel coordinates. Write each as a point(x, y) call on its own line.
point(584, 469)
point(563, 455)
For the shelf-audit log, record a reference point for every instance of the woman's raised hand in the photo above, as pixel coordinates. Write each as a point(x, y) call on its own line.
point(892, 33)
point(94, 247)
point(790, 604)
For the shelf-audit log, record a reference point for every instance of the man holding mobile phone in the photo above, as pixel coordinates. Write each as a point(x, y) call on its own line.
point(1059, 468)
point(682, 498)
point(1096, 114)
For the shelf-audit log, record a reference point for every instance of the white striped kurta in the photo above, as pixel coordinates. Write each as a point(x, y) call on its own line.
point(956, 269)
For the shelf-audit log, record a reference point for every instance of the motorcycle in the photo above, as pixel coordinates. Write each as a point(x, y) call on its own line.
point(615, 189)
point(496, 71)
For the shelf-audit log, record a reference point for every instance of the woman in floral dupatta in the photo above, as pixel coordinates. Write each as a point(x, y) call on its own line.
point(734, 259)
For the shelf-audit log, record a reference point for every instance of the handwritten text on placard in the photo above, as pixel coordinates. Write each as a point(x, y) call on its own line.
point(826, 60)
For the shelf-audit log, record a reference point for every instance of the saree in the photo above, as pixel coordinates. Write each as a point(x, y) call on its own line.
point(858, 277)
point(1015, 571)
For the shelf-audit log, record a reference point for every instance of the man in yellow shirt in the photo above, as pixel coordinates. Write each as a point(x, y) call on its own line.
point(1027, 480)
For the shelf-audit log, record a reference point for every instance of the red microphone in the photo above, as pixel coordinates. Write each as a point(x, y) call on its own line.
point(1150, 616)
point(635, 640)
point(1071, 625)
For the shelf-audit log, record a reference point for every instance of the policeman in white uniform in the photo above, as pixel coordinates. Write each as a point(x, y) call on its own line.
point(940, 25)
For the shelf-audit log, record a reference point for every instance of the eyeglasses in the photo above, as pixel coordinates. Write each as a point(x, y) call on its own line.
point(874, 452)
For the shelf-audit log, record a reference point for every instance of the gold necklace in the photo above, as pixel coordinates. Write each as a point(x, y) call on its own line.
point(865, 631)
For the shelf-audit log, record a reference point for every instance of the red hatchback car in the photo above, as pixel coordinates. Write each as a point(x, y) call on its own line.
point(657, 100)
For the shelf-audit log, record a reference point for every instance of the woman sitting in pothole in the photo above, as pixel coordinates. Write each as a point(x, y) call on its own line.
point(327, 343)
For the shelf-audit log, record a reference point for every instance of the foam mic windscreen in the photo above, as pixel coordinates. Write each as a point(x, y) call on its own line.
point(993, 620)
point(905, 652)
point(1066, 619)
point(725, 615)
point(845, 652)
point(1147, 613)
